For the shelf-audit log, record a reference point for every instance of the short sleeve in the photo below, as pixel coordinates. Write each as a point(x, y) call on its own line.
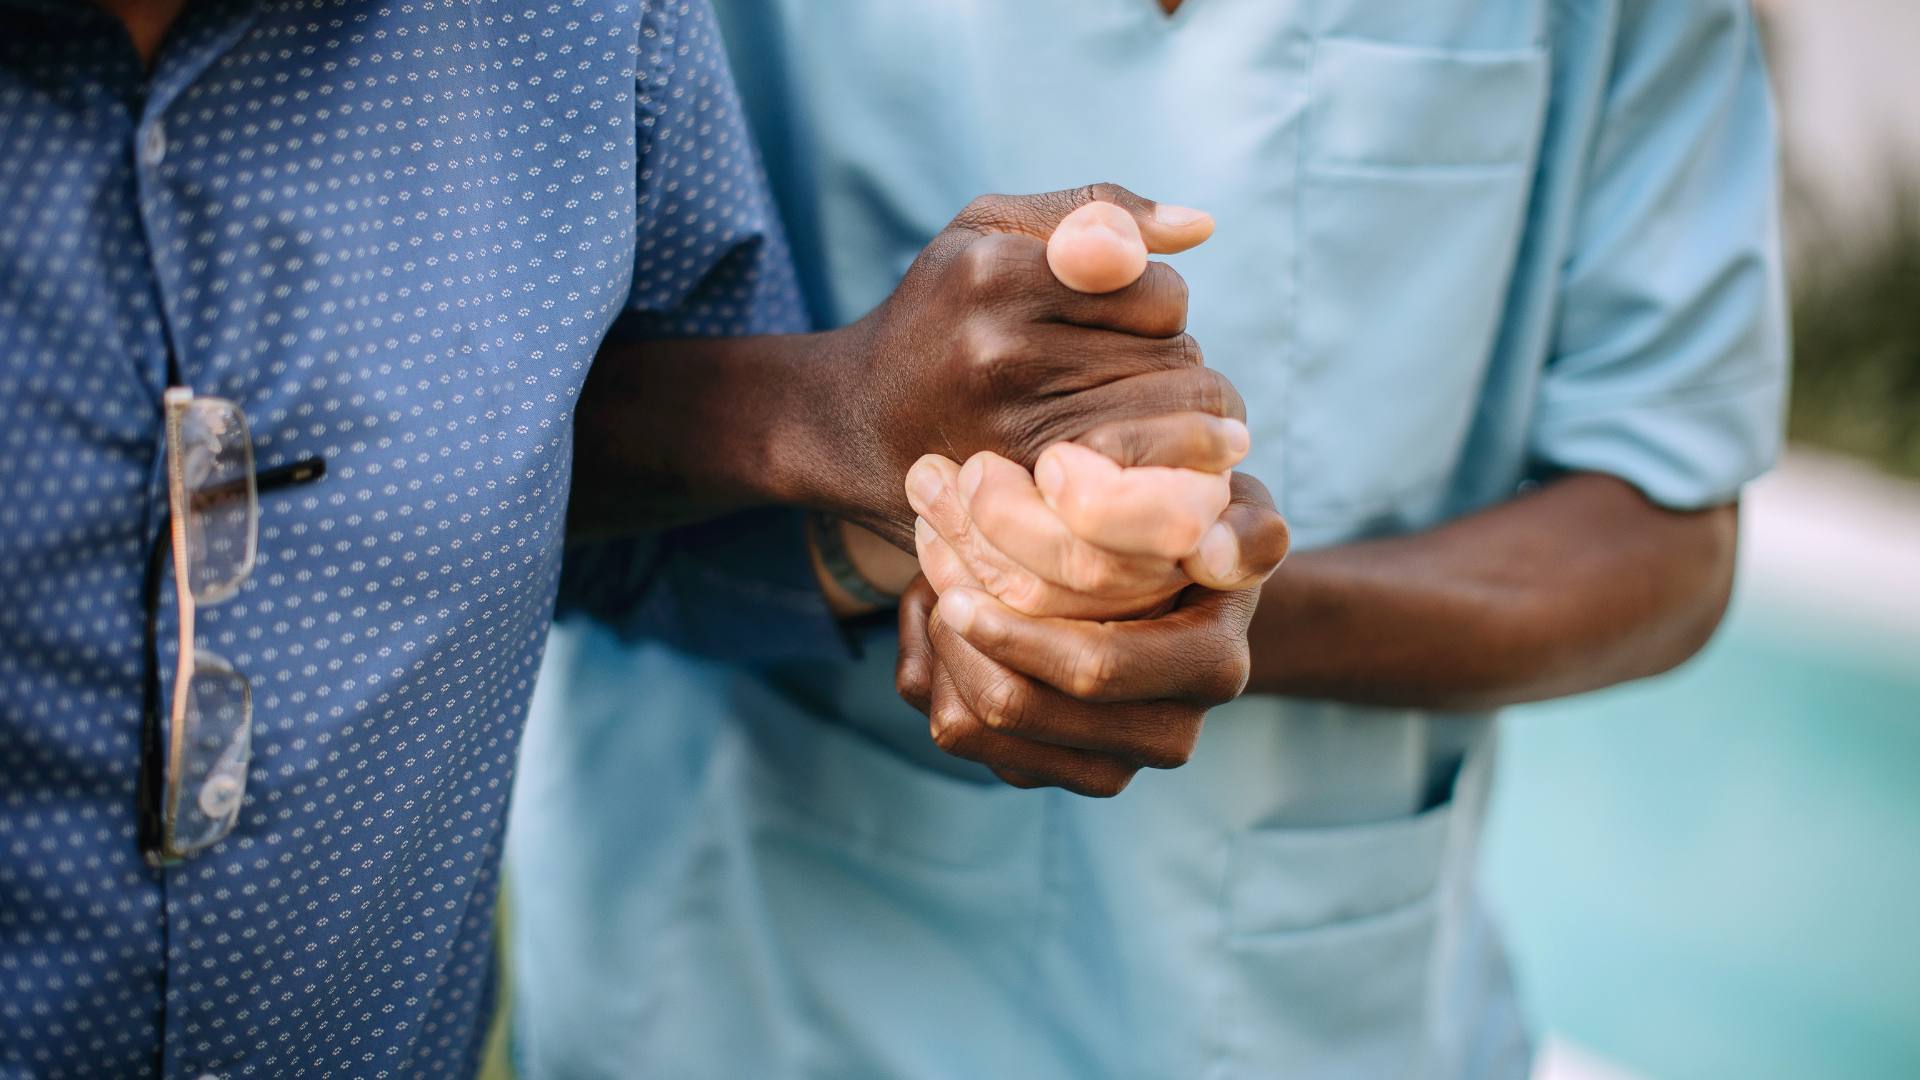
point(709, 261)
point(1670, 362)
point(710, 258)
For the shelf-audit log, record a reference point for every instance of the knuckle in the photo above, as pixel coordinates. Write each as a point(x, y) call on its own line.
point(1005, 704)
point(984, 264)
point(951, 728)
point(1167, 299)
point(1023, 592)
point(1072, 501)
point(992, 352)
point(1116, 441)
point(1174, 757)
point(1106, 191)
point(1089, 570)
point(909, 683)
point(1280, 540)
point(1106, 783)
point(1231, 673)
point(1186, 353)
point(1163, 757)
point(1017, 779)
point(1211, 392)
point(1179, 735)
point(1092, 668)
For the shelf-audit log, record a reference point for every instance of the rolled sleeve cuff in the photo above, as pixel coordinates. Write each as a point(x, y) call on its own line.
point(1685, 452)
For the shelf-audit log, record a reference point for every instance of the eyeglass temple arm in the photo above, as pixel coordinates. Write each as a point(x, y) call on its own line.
point(152, 771)
point(305, 470)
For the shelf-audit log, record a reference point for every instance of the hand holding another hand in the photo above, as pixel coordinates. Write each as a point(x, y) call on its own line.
point(1080, 702)
point(981, 347)
point(1075, 624)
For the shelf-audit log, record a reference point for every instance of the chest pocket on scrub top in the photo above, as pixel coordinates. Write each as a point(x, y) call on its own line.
point(1417, 167)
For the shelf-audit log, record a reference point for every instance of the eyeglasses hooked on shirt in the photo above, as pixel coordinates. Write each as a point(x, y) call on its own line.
point(192, 787)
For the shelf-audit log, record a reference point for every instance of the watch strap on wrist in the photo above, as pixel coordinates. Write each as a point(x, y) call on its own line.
point(831, 544)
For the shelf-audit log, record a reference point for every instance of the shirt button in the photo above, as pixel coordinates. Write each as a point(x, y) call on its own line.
point(153, 144)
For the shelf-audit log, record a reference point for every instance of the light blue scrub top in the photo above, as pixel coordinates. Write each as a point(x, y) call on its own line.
point(1461, 244)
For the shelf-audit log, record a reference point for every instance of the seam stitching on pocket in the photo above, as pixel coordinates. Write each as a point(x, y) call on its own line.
point(1519, 54)
point(1424, 170)
point(1341, 926)
point(869, 841)
point(1460, 61)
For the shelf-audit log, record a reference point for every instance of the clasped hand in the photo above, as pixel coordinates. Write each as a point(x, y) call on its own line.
point(1073, 625)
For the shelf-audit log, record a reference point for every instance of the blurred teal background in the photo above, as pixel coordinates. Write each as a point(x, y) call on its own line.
point(1714, 874)
point(1717, 873)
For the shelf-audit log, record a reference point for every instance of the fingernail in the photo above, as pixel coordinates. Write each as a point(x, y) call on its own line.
point(957, 610)
point(1049, 478)
point(1235, 433)
point(1177, 216)
point(1219, 551)
point(923, 486)
point(970, 474)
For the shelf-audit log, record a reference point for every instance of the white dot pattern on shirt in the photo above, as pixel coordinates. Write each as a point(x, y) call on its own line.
point(395, 233)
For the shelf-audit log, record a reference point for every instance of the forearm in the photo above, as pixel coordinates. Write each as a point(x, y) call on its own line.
point(1578, 586)
point(673, 431)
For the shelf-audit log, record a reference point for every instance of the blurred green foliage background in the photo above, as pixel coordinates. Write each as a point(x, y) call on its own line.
point(1857, 341)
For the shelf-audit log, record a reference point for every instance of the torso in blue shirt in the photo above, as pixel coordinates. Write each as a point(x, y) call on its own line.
point(395, 234)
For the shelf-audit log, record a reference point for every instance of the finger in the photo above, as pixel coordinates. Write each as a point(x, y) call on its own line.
point(939, 495)
point(1097, 249)
point(1197, 652)
point(1157, 393)
point(1180, 441)
point(913, 671)
point(1055, 358)
point(1154, 734)
point(1245, 546)
point(1144, 510)
point(1166, 229)
point(941, 565)
point(1012, 271)
point(1018, 779)
point(1006, 512)
point(947, 543)
point(958, 732)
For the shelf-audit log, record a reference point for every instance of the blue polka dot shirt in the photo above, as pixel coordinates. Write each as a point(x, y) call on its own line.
point(395, 233)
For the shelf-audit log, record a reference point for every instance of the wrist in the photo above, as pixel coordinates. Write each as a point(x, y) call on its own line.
point(844, 464)
point(800, 410)
point(858, 571)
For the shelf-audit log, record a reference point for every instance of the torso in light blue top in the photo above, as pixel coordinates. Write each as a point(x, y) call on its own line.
point(1462, 244)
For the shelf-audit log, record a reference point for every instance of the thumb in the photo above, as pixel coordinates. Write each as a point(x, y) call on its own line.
point(1097, 249)
point(1164, 228)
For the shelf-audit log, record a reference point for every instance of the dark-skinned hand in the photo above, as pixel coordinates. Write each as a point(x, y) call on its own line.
point(982, 347)
point(1081, 704)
